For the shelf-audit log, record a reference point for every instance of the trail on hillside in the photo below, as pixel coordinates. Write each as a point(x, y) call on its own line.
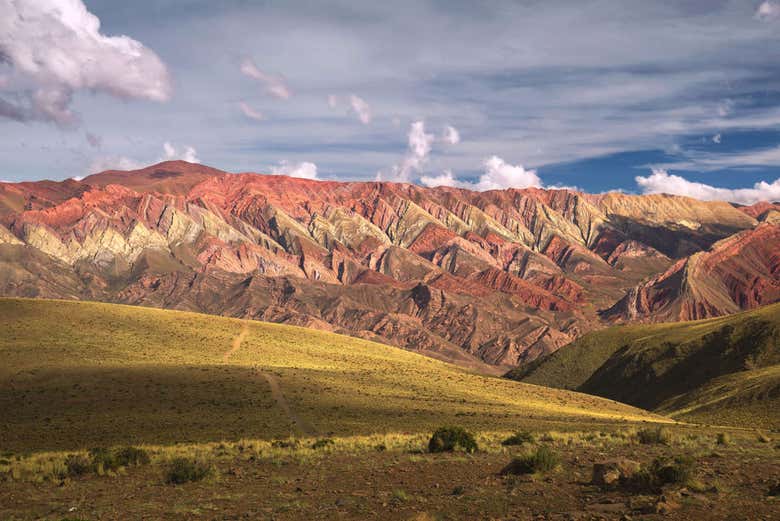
point(276, 391)
point(281, 401)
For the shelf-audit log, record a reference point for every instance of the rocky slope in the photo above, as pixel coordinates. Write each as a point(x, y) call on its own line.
point(480, 278)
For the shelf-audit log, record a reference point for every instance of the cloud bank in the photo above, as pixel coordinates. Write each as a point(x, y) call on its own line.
point(305, 169)
point(55, 48)
point(661, 181)
point(498, 175)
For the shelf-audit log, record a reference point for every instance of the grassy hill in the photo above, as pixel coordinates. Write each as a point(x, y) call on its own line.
point(81, 374)
point(721, 370)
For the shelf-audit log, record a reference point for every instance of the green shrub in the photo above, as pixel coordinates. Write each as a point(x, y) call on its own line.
point(77, 465)
point(519, 438)
point(104, 460)
point(322, 443)
point(540, 461)
point(185, 470)
point(662, 471)
point(657, 435)
point(449, 439)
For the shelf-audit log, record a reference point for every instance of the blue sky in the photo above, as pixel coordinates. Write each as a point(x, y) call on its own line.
point(589, 94)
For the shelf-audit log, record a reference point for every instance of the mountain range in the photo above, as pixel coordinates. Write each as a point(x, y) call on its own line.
point(488, 280)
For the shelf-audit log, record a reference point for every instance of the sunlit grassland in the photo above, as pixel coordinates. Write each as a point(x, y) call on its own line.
point(78, 374)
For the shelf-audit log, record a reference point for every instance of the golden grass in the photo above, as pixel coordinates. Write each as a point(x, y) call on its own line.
point(81, 374)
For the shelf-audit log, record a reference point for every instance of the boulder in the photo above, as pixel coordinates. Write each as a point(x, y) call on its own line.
point(611, 472)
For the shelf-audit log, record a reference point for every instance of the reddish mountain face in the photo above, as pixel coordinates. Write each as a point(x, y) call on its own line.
point(484, 279)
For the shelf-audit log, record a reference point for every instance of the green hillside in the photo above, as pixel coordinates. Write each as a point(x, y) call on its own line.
point(718, 370)
point(80, 374)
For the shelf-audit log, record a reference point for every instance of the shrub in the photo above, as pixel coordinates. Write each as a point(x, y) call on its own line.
point(661, 472)
point(285, 444)
point(449, 439)
point(322, 443)
point(77, 465)
point(519, 438)
point(104, 460)
point(542, 460)
point(380, 447)
point(723, 438)
point(185, 470)
point(656, 435)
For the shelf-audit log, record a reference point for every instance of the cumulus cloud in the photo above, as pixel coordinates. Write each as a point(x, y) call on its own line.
point(717, 138)
point(498, 175)
point(276, 86)
point(55, 48)
point(419, 143)
point(661, 181)
point(186, 153)
point(768, 11)
point(250, 112)
point(451, 136)
point(305, 169)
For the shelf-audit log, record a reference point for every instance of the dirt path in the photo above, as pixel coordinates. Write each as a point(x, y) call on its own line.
point(305, 428)
point(276, 391)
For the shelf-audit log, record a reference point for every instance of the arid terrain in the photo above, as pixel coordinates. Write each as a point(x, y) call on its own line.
point(487, 280)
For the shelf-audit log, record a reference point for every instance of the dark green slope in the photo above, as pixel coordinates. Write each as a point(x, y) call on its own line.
point(718, 369)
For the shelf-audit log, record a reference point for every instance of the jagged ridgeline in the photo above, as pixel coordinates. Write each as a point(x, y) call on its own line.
point(488, 280)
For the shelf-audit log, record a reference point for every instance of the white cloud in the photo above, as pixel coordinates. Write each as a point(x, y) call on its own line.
point(446, 178)
point(661, 181)
point(419, 149)
point(306, 170)
point(276, 86)
point(250, 112)
point(356, 105)
point(450, 135)
point(768, 11)
point(717, 138)
point(360, 108)
point(55, 47)
point(187, 153)
point(498, 175)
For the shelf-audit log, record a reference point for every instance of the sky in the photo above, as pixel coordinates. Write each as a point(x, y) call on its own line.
point(664, 96)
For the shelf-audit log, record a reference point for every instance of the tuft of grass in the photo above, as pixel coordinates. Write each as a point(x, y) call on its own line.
point(185, 470)
point(540, 461)
point(450, 439)
point(110, 460)
point(723, 439)
point(662, 471)
point(322, 443)
point(762, 438)
point(654, 436)
point(518, 438)
point(77, 465)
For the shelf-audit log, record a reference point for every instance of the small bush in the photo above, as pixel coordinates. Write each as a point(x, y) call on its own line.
point(542, 460)
point(723, 438)
point(285, 444)
point(519, 438)
point(449, 439)
point(322, 443)
point(77, 465)
point(104, 460)
point(656, 435)
point(380, 447)
point(185, 470)
point(660, 472)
